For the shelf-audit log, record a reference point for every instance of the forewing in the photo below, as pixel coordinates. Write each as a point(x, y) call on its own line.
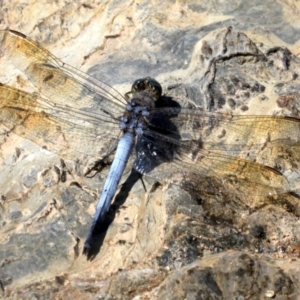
point(58, 81)
point(69, 133)
point(225, 133)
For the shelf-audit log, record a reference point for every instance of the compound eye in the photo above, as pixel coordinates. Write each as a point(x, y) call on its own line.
point(147, 84)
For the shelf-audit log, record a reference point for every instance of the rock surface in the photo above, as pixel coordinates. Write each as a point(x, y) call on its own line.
point(227, 56)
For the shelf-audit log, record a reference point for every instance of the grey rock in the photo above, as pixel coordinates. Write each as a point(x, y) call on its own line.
point(225, 56)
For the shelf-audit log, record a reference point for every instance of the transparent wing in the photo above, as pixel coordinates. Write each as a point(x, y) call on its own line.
point(186, 146)
point(58, 81)
point(225, 133)
point(185, 163)
point(69, 133)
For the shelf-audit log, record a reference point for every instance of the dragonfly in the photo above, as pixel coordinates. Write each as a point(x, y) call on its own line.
point(183, 145)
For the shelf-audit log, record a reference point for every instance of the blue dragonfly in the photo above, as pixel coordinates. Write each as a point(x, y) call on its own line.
point(83, 119)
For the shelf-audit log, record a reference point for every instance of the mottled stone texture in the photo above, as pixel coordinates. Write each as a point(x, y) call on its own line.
point(228, 56)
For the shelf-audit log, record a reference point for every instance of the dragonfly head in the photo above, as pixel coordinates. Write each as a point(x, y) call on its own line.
point(149, 85)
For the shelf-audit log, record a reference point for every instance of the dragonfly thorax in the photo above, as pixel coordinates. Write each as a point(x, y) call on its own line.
point(145, 92)
point(133, 119)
